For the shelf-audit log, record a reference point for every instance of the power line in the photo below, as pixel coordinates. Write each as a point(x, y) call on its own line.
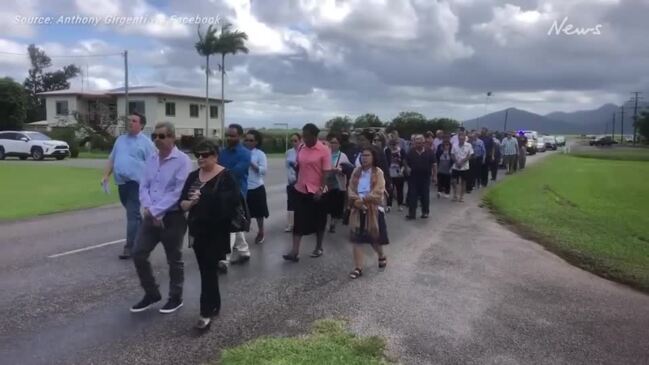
point(66, 56)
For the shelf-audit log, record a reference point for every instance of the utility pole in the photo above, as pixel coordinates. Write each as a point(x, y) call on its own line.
point(613, 127)
point(622, 123)
point(125, 86)
point(635, 116)
point(506, 113)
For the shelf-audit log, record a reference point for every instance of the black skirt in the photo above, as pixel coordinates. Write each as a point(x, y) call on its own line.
point(290, 197)
point(335, 203)
point(310, 214)
point(257, 205)
point(360, 234)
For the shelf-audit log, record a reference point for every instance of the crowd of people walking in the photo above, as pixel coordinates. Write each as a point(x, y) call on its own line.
point(330, 180)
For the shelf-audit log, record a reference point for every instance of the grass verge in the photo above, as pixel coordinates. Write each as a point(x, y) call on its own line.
point(27, 191)
point(614, 153)
point(328, 343)
point(99, 155)
point(590, 211)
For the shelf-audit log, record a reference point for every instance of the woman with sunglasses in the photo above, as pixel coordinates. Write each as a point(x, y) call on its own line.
point(291, 174)
point(256, 196)
point(212, 196)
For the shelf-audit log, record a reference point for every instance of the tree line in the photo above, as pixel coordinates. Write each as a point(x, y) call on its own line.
point(406, 123)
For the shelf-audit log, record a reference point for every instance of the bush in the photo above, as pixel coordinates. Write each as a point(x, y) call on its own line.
point(101, 143)
point(68, 135)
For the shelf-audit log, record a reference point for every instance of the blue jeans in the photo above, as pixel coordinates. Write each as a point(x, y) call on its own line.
point(129, 195)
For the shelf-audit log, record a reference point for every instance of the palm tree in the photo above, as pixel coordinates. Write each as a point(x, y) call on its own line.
point(227, 42)
point(205, 47)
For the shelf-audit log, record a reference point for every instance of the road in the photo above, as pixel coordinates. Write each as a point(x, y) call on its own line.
point(459, 288)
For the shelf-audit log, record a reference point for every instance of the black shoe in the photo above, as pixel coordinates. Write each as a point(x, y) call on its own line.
point(291, 257)
point(126, 254)
point(172, 305)
point(222, 268)
point(410, 217)
point(424, 216)
point(145, 303)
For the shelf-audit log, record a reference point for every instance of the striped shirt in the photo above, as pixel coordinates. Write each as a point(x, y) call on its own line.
point(509, 146)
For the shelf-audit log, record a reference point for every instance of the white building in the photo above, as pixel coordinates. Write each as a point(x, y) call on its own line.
point(185, 109)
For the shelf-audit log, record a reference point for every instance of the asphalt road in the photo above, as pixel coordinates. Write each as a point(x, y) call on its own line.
point(459, 288)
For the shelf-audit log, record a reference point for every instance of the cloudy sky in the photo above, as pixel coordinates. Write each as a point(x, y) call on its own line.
point(311, 60)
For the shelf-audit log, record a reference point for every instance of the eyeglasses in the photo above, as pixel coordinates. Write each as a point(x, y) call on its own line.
point(158, 136)
point(203, 154)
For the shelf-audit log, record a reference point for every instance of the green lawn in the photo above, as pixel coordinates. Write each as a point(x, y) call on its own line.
point(593, 212)
point(27, 191)
point(101, 155)
point(614, 153)
point(329, 343)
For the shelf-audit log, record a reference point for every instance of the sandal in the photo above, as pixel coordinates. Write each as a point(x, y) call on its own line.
point(317, 253)
point(383, 262)
point(356, 273)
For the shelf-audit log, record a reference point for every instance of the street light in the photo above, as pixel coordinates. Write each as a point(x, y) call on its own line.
point(286, 136)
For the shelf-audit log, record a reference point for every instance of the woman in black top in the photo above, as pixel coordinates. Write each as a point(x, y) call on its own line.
point(211, 195)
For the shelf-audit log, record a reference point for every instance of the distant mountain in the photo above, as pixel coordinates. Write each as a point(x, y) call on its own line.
point(518, 119)
point(595, 121)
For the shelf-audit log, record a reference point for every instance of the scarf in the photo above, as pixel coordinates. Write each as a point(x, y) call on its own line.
point(372, 200)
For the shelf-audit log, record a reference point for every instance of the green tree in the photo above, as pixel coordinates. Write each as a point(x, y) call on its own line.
point(227, 42)
point(445, 124)
point(643, 125)
point(408, 123)
point(13, 105)
point(39, 81)
point(368, 120)
point(339, 124)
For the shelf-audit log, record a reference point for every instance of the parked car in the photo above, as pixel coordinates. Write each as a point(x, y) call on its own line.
point(561, 141)
point(532, 139)
point(24, 144)
point(540, 146)
point(550, 142)
point(602, 141)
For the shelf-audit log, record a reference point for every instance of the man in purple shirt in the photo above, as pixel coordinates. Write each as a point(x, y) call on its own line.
point(162, 183)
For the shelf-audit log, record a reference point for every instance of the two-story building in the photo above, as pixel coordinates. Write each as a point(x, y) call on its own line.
point(186, 109)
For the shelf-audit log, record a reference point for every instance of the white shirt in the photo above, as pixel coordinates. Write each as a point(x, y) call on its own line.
point(454, 140)
point(460, 153)
point(256, 178)
point(365, 183)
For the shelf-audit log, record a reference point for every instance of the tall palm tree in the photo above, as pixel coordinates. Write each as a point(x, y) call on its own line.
point(227, 41)
point(205, 47)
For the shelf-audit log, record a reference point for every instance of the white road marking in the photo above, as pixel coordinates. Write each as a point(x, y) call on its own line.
point(86, 248)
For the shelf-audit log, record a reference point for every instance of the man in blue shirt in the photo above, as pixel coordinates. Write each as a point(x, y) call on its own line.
point(126, 162)
point(236, 158)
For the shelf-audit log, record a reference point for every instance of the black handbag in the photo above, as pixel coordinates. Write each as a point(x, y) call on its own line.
point(241, 220)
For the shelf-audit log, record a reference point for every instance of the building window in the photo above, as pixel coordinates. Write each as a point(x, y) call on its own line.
point(170, 109)
point(136, 106)
point(193, 110)
point(198, 132)
point(62, 107)
point(214, 111)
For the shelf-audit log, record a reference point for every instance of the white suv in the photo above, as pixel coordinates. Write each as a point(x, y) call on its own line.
point(35, 144)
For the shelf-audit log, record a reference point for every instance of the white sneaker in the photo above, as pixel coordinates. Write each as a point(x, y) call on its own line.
point(288, 229)
point(203, 323)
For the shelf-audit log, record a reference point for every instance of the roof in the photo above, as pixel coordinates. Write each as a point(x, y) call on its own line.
point(135, 90)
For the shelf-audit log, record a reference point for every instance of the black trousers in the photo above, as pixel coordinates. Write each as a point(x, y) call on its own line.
point(494, 169)
point(484, 172)
point(207, 257)
point(476, 171)
point(171, 234)
point(444, 183)
point(418, 192)
point(397, 186)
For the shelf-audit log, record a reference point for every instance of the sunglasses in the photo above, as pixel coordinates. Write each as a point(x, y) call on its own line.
point(203, 154)
point(155, 136)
